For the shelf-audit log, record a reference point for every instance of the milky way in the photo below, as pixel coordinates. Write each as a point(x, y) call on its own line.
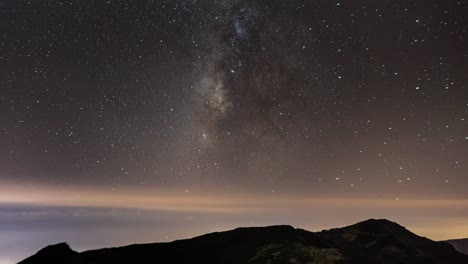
point(332, 99)
point(269, 94)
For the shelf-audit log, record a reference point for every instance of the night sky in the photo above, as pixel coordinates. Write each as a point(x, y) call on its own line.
point(231, 107)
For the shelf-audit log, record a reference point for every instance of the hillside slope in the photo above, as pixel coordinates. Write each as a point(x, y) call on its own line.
point(460, 244)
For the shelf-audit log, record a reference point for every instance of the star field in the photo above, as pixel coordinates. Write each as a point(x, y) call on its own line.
point(329, 97)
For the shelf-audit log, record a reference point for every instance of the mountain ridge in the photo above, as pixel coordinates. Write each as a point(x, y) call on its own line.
point(370, 241)
point(460, 244)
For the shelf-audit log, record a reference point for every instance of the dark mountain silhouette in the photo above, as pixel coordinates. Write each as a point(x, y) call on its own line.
point(59, 253)
point(372, 241)
point(460, 245)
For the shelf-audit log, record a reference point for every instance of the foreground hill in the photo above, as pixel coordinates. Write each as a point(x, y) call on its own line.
point(460, 244)
point(372, 241)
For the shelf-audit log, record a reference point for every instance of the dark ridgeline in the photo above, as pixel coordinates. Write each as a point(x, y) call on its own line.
point(59, 253)
point(460, 244)
point(372, 241)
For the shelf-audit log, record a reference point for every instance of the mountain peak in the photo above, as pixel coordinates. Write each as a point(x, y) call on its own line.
point(51, 254)
point(382, 221)
point(375, 225)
